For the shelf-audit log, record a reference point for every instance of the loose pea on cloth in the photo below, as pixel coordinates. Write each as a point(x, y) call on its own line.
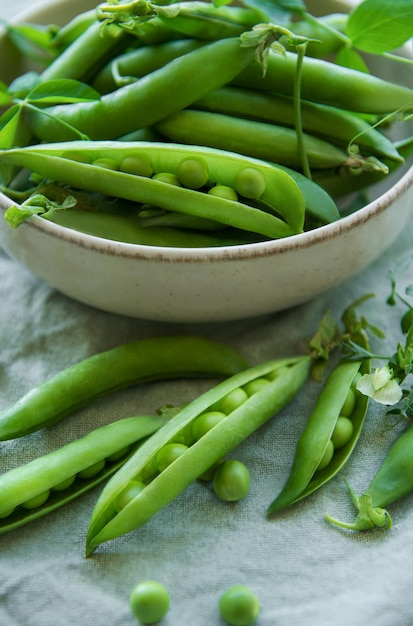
point(305, 572)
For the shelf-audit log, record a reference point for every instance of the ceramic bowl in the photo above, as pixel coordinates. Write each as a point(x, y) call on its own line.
point(202, 285)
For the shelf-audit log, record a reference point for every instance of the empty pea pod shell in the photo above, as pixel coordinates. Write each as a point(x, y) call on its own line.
point(144, 360)
point(20, 484)
point(285, 378)
point(305, 478)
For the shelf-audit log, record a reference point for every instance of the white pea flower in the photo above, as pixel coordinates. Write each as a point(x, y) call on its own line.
point(381, 386)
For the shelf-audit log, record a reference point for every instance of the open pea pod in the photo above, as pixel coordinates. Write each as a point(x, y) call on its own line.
point(141, 488)
point(321, 450)
point(130, 170)
point(48, 482)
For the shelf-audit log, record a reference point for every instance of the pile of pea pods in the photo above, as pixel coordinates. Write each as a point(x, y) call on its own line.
point(192, 124)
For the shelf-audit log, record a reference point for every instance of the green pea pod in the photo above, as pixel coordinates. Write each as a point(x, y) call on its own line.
point(276, 383)
point(273, 186)
point(161, 93)
point(393, 481)
point(145, 360)
point(328, 83)
point(306, 475)
point(335, 125)
point(45, 484)
point(260, 140)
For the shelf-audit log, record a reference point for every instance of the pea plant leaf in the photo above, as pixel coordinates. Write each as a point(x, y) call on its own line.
point(5, 97)
point(380, 26)
point(351, 58)
point(61, 91)
point(279, 11)
point(23, 84)
point(33, 40)
point(10, 126)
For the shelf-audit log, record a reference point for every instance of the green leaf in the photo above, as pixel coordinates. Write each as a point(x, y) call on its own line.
point(38, 204)
point(379, 26)
point(278, 11)
point(4, 94)
point(62, 91)
point(21, 85)
point(33, 40)
point(9, 127)
point(348, 57)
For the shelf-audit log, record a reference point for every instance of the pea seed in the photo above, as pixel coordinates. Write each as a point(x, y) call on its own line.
point(254, 386)
point(92, 470)
point(138, 165)
point(239, 606)
point(328, 455)
point(205, 422)
point(109, 164)
point(250, 183)
point(342, 432)
point(233, 400)
point(74, 155)
point(118, 455)
point(149, 601)
point(167, 177)
point(64, 484)
point(223, 191)
point(169, 453)
point(128, 494)
point(232, 481)
point(36, 501)
point(349, 403)
point(6, 513)
point(193, 173)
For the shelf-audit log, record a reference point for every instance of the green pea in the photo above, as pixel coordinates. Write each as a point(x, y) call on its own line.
point(6, 513)
point(36, 501)
point(342, 432)
point(169, 453)
point(128, 494)
point(233, 400)
point(92, 470)
point(76, 155)
point(250, 183)
point(64, 484)
point(254, 386)
point(118, 455)
point(193, 173)
point(349, 403)
point(138, 165)
point(107, 163)
point(239, 606)
point(223, 191)
point(205, 422)
point(149, 601)
point(167, 177)
point(232, 481)
point(327, 456)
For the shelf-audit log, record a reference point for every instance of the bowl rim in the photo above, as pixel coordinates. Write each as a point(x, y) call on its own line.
point(234, 252)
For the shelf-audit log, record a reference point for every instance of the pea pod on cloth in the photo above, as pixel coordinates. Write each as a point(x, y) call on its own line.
point(329, 437)
point(48, 482)
point(393, 481)
point(145, 360)
point(247, 400)
point(133, 164)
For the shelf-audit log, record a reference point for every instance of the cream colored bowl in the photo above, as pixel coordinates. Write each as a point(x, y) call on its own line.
point(202, 285)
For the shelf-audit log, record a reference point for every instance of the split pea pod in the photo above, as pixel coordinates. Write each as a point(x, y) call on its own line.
point(195, 167)
point(145, 360)
point(393, 481)
point(334, 125)
point(329, 437)
point(260, 140)
point(46, 483)
point(163, 92)
point(239, 406)
point(328, 83)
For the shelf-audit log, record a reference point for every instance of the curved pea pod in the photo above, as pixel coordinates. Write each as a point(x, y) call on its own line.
point(393, 481)
point(145, 360)
point(48, 482)
point(328, 83)
point(251, 178)
point(314, 446)
point(276, 383)
point(140, 104)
